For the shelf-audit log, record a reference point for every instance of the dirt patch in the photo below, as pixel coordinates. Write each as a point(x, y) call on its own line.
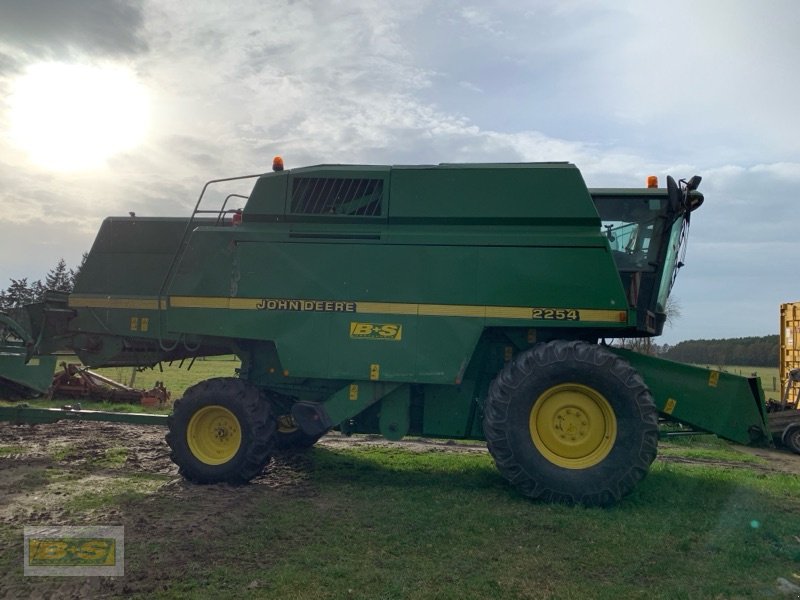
point(772, 460)
point(335, 440)
point(779, 460)
point(82, 473)
point(116, 474)
point(84, 442)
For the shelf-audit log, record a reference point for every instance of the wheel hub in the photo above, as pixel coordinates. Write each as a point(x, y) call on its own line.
point(214, 435)
point(573, 426)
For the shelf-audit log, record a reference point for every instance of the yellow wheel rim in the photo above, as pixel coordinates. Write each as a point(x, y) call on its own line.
point(573, 426)
point(214, 435)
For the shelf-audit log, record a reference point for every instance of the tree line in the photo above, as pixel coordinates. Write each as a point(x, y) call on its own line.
point(21, 291)
point(763, 351)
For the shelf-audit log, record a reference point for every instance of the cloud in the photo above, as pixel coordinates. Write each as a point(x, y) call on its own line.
point(8, 64)
point(742, 253)
point(695, 74)
point(481, 18)
point(45, 28)
point(470, 87)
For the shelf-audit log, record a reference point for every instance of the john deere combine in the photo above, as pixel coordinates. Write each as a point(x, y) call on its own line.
point(462, 301)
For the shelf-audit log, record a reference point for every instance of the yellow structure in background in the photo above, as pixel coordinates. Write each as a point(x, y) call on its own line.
point(790, 341)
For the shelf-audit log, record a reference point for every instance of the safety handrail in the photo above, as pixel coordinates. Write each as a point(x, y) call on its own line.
point(179, 251)
point(222, 211)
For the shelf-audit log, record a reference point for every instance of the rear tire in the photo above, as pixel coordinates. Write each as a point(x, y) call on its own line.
point(571, 422)
point(221, 431)
point(791, 438)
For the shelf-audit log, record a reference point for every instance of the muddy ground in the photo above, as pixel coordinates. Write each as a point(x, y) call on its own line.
point(47, 471)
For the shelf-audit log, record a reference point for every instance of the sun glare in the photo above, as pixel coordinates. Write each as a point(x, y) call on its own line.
point(71, 117)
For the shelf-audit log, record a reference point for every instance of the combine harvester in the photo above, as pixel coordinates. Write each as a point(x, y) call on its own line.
point(466, 301)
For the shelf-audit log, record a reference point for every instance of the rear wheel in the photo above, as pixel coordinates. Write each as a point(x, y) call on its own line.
point(571, 422)
point(791, 438)
point(221, 430)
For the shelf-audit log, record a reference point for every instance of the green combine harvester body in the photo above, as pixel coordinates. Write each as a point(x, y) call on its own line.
point(460, 301)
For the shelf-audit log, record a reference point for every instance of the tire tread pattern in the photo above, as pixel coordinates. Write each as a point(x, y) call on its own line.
point(258, 430)
point(497, 423)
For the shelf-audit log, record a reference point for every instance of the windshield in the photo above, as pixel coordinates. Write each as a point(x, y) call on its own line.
point(629, 225)
point(677, 238)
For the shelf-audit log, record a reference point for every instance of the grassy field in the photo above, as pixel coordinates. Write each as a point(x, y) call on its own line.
point(392, 524)
point(770, 379)
point(370, 521)
point(176, 376)
point(394, 521)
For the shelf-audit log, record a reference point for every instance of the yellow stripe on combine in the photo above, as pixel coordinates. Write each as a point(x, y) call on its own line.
point(612, 316)
point(386, 308)
point(198, 302)
point(489, 312)
point(451, 310)
point(146, 303)
point(212, 302)
point(373, 308)
point(508, 312)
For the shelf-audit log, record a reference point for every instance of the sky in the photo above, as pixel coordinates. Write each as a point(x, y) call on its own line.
point(192, 91)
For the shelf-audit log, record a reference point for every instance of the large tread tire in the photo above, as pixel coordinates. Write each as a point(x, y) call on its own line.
point(245, 409)
point(791, 438)
point(509, 424)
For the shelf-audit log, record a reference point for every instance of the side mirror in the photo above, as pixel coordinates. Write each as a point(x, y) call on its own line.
point(693, 183)
point(673, 195)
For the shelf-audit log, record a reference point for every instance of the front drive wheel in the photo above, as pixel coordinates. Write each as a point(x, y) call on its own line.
point(571, 422)
point(221, 430)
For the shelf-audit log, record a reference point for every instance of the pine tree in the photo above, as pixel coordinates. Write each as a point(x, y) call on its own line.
point(37, 289)
point(59, 278)
point(19, 293)
point(73, 273)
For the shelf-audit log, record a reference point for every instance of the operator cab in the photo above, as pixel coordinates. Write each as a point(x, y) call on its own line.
point(646, 234)
point(631, 227)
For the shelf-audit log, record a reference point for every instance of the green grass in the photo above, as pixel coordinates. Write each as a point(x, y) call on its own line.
point(62, 452)
point(9, 450)
point(176, 376)
point(706, 447)
point(388, 523)
point(114, 457)
point(770, 379)
point(123, 489)
point(369, 522)
point(712, 454)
